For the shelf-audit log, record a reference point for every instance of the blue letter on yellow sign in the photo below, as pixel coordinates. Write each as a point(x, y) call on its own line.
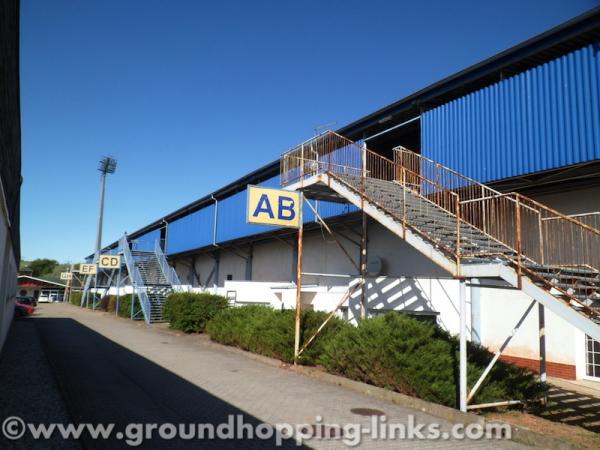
point(263, 206)
point(286, 211)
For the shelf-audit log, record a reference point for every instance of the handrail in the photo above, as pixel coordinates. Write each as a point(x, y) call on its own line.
point(168, 271)
point(535, 231)
point(454, 172)
point(137, 282)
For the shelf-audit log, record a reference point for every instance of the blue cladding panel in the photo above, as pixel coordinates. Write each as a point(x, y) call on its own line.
point(196, 230)
point(192, 231)
point(147, 242)
point(545, 118)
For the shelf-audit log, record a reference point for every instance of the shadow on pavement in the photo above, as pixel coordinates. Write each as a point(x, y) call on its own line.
point(573, 408)
point(103, 382)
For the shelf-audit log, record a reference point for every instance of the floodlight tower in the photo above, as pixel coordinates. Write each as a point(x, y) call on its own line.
point(107, 165)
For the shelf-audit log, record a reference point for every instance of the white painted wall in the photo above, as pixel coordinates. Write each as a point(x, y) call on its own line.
point(501, 310)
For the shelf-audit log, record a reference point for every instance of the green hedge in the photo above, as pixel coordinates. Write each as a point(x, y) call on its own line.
point(270, 332)
point(108, 303)
point(190, 312)
point(416, 358)
point(75, 297)
point(124, 305)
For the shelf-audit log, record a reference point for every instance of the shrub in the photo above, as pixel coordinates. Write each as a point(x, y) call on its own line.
point(75, 297)
point(416, 358)
point(190, 312)
point(103, 304)
point(270, 332)
point(124, 305)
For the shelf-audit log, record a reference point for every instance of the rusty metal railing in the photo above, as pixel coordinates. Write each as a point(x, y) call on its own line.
point(516, 226)
point(328, 152)
point(534, 231)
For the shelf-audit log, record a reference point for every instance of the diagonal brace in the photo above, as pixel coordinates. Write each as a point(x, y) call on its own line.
point(320, 219)
point(346, 296)
point(499, 352)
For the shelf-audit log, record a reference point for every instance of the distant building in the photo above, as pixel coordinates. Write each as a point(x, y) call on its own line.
point(40, 289)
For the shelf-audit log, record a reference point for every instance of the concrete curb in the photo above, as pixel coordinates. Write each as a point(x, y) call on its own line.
point(519, 434)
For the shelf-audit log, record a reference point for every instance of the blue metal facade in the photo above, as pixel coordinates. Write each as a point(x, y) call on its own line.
point(196, 230)
point(147, 242)
point(544, 118)
point(192, 231)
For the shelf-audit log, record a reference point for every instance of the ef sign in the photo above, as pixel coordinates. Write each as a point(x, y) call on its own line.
point(109, 261)
point(87, 269)
point(268, 206)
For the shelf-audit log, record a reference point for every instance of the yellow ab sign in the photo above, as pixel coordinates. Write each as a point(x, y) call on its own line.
point(267, 206)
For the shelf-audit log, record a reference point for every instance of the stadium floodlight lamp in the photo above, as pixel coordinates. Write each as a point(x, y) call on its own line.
point(107, 165)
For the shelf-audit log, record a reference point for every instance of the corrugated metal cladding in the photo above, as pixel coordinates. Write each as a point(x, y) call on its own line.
point(192, 231)
point(545, 118)
point(147, 242)
point(196, 230)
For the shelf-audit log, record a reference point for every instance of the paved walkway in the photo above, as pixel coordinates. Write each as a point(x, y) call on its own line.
point(574, 403)
point(119, 371)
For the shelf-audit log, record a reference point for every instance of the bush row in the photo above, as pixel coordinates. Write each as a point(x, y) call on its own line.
point(417, 358)
point(190, 312)
point(270, 332)
point(108, 303)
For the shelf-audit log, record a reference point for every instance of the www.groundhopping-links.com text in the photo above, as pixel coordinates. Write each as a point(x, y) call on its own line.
point(236, 428)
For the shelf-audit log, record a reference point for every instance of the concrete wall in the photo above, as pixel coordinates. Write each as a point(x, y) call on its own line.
point(573, 202)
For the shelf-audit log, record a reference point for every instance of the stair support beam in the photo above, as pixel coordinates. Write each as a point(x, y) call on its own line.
point(118, 291)
point(363, 267)
point(498, 352)
point(463, 347)
point(298, 289)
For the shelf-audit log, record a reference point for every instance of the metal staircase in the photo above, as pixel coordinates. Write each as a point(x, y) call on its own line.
point(152, 279)
point(466, 227)
point(156, 286)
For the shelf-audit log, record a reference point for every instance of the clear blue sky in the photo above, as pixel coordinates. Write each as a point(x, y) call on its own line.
point(190, 95)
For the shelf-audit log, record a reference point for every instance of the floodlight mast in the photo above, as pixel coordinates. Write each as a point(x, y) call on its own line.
point(107, 165)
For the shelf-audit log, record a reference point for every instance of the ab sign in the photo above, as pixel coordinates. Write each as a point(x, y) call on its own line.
point(267, 206)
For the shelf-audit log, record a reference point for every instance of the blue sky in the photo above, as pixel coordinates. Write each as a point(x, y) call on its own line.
point(190, 95)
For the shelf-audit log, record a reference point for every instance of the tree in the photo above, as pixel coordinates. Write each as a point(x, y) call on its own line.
point(41, 267)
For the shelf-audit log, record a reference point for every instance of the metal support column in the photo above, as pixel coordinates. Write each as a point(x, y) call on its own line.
point(363, 238)
point(298, 294)
point(249, 263)
point(463, 346)
point(542, 336)
point(363, 268)
point(217, 257)
point(95, 287)
point(118, 291)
